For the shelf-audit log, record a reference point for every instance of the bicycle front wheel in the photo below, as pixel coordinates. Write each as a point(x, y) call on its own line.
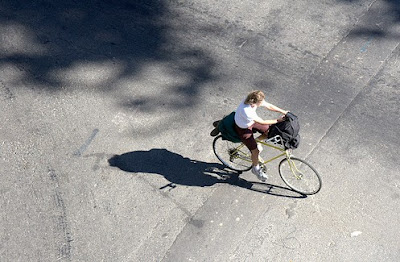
point(236, 156)
point(300, 176)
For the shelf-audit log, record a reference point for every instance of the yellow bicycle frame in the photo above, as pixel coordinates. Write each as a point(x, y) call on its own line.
point(296, 172)
point(248, 157)
point(283, 152)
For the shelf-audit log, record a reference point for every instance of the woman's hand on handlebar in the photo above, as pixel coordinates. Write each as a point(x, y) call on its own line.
point(281, 119)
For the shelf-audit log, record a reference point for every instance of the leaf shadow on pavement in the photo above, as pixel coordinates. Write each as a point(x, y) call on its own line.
point(179, 170)
point(390, 16)
point(101, 45)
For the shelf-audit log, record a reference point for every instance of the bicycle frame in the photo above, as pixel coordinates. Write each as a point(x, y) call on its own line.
point(288, 153)
point(290, 167)
point(273, 143)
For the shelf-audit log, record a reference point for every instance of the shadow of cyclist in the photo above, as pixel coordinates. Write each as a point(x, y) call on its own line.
point(185, 171)
point(174, 167)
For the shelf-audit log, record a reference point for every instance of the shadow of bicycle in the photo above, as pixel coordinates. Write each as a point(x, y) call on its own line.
point(179, 170)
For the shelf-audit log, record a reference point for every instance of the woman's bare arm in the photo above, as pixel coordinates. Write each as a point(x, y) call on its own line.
point(275, 108)
point(268, 122)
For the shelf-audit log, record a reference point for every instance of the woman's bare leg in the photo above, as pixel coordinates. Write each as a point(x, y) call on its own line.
point(254, 156)
point(262, 137)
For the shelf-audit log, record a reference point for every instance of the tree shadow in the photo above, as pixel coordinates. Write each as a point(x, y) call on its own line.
point(63, 45)
point(381, 21)
point(58, 34)
point(179, 170)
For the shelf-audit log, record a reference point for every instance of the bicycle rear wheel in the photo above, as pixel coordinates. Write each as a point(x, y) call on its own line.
point(300, 176)
point(236, 156)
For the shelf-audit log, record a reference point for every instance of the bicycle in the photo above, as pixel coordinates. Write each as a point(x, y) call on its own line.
point(297, 174)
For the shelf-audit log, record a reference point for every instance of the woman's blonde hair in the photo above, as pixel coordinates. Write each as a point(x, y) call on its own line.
point(254, 97)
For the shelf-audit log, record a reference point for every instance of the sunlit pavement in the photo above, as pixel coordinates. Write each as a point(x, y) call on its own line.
point(107, 108)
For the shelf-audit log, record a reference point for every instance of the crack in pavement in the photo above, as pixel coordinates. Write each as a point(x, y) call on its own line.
point(341, 115)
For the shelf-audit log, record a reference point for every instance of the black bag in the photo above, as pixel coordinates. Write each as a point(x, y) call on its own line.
point(288, 130)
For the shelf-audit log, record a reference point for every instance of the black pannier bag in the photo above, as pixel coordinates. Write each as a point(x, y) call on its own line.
point(288, 130)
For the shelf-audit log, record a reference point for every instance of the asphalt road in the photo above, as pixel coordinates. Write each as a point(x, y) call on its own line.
point(107, 106)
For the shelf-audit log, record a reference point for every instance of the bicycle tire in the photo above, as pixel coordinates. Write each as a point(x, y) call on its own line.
point(307, 183)
point(226, 151)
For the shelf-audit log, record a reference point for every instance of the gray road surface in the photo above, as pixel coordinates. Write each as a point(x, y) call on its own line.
point(107, 106)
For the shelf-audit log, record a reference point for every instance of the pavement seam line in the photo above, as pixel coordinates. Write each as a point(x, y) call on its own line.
point(379, 70)
point(248, 231)
point(183, 228)
point(152, 231)
point(179, 206)
point(340, 41)
point(184, 210)
point(362, 88)
point(312, 73)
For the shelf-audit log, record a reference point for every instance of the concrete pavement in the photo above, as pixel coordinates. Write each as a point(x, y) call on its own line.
point(107, 106)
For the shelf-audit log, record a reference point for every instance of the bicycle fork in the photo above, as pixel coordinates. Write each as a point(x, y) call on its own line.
point(296, 172)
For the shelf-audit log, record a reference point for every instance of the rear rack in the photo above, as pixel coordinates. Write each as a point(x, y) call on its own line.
point(276, 141)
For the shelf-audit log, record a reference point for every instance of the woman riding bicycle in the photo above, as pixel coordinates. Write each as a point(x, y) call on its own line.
point(247, 122)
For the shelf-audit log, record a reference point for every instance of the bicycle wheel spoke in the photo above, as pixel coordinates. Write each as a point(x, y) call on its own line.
point(234, 155)
point(300, 176)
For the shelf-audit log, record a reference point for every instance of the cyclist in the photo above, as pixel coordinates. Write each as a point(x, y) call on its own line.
point(248, 122)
